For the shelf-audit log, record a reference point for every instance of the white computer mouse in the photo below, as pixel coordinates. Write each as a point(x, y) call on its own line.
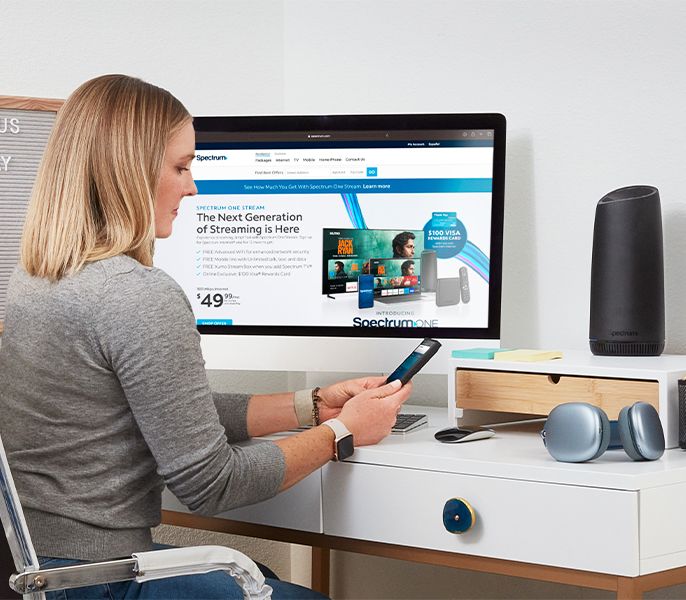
point(454, 435)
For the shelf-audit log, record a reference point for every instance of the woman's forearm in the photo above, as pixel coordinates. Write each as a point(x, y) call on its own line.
point(305, 452)
point(271, 413)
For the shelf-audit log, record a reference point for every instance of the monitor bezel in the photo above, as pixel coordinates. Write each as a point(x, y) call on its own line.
point(391, 122)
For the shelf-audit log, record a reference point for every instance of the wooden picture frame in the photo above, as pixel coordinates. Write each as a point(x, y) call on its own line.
point(28, 103)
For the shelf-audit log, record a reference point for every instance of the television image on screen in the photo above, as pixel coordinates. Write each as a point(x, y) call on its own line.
point(358, 246)
point(291, 210)
point(344, 268)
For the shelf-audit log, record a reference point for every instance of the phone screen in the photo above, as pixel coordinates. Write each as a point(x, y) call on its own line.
point(413, 362)
point(365, 291)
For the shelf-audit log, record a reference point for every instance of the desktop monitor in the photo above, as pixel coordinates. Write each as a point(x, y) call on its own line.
point(290, 211)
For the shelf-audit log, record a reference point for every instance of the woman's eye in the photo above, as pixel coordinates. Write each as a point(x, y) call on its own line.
point(182, 169)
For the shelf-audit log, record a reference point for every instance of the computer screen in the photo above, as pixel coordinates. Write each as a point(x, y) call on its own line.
point(290, 211)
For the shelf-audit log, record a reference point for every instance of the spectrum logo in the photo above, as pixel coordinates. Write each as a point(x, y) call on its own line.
point(202, 157)
point(386, 322)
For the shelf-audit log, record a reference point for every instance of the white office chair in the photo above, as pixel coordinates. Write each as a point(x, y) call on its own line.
point(32, 581)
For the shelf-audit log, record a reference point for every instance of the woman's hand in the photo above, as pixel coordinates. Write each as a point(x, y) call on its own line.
point(334, 396)
point(371, 414)
point(368, 415)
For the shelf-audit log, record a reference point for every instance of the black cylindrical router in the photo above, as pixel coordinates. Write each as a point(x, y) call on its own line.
point(627, 274)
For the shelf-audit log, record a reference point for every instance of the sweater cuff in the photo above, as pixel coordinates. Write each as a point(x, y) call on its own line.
point(302, 402)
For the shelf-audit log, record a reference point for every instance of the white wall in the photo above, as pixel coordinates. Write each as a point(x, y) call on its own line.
point(594, 93)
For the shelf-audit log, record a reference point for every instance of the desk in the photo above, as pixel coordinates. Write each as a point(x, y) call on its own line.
point(612, 524)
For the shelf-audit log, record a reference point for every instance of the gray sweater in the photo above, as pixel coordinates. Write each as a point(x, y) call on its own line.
point(105, 400)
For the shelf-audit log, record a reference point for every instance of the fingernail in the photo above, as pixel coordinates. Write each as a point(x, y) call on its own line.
point(396, 383)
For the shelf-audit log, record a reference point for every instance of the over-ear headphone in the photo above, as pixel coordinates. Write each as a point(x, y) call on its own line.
point(577, 432)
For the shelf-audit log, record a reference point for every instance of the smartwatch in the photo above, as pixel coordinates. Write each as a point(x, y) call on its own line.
point(343, 446)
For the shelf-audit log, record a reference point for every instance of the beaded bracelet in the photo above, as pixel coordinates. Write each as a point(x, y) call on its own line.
point(316, 398)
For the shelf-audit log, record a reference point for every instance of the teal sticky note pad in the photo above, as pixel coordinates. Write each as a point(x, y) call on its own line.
point(483, 353)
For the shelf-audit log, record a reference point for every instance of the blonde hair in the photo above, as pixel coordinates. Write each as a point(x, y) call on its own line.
point(94, 193)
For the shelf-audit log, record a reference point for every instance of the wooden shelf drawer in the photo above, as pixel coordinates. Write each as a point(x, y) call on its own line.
point(539, 393)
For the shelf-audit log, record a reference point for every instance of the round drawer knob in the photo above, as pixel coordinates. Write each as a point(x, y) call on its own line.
point(458, 515)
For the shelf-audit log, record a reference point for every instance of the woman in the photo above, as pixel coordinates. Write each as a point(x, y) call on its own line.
point(102, 384)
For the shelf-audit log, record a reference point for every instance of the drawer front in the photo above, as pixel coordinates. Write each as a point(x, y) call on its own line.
point(566, 526)
point(539, 393)
point(299, 507)
point(662, 528)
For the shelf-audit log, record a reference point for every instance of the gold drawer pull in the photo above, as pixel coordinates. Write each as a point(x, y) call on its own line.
point(458, 515)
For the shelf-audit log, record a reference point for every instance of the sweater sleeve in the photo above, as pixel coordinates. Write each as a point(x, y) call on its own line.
point(146, 332)
point(233, 414)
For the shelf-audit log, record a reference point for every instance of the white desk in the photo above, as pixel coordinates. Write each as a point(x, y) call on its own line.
point(612, 524)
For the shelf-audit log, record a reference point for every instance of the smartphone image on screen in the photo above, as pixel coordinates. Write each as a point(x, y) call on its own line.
point(365, 291)
point(415, 361)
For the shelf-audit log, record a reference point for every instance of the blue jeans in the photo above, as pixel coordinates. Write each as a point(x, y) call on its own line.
point(209, 586)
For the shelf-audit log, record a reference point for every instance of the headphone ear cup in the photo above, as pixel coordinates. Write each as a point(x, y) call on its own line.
point(576, 432)
point(641, 432)
point(625, 435)
point(605, 432)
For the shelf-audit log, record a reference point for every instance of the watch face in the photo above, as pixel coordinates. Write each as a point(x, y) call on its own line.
point(345, 447)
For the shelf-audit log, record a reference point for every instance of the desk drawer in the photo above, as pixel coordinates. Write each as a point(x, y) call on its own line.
point(662, 528)
point(567, 526)
point(539, 393)
point(299, 507)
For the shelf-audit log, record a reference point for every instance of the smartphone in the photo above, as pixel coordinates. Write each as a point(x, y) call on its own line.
point(415, 361)
point(365, 291)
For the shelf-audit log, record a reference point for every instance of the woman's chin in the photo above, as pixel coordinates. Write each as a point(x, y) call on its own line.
point(163, 232)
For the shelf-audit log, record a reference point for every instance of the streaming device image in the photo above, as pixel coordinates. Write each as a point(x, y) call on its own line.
point(464, 285)
point(428, 270)
point(448, 291)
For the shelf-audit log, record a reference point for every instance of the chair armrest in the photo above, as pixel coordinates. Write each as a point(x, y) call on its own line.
point(172, 562)
point(147, 566)
point(37, 581)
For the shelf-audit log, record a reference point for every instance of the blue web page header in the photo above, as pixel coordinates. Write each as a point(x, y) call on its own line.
point(343, 186)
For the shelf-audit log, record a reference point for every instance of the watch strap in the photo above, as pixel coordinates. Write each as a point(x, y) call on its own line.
point(343, 446)
point(338, 427)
